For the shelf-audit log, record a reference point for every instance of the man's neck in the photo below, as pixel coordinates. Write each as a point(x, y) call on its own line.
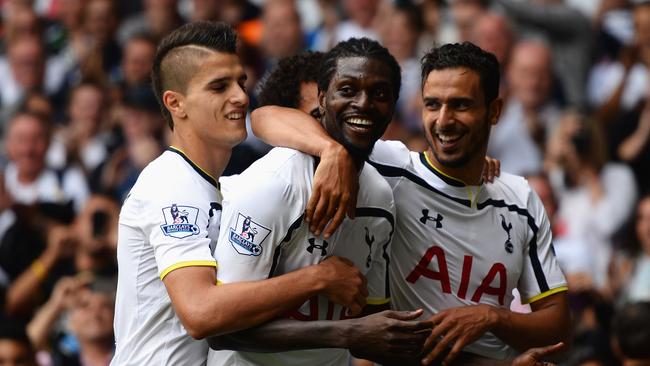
point(470, 174)
point(211, 159)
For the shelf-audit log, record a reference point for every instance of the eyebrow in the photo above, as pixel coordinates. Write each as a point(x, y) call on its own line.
point(225, 79)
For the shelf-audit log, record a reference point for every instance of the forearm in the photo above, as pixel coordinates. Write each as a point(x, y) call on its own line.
point(538, 328)
point(214, 310)
point(280, 126)
point(632, 146)
point(552, 18)
point(21, 294)
point(39, 328)
point(296, 335)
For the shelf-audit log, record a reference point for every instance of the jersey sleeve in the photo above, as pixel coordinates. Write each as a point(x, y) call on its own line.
point(389, 153)
point(176, 227)
point(541, 275)
point(256, 218)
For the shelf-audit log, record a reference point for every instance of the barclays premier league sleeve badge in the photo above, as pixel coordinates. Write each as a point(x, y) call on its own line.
point(180, 221)
point(247, 236)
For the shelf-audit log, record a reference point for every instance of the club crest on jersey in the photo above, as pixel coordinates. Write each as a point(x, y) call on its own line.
point(180, 221)
point(247, 236)
point(507, 226)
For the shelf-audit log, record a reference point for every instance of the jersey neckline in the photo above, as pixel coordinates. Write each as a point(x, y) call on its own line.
point(194, 166)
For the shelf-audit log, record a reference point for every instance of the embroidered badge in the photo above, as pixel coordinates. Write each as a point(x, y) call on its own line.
point(247, 236)
point(180, 221)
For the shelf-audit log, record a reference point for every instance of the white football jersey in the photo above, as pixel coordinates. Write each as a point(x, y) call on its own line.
point(264, 235)
point(169, 220)
point(457, 245)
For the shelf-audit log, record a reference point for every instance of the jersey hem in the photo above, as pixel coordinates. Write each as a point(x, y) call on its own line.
point(187, 264)
point(546, 294)
point(377, 301)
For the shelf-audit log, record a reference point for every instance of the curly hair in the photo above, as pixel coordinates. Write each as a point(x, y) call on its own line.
point(466, 55)
point(282, 86)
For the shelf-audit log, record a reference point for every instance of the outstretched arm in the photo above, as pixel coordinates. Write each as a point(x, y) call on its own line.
point(335, 182)
point(380, 336)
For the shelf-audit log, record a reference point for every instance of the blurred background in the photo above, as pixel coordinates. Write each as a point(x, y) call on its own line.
point(78, 122)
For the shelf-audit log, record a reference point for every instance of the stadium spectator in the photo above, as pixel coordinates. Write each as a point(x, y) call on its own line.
point(630, 333)
point(568, 34)
point(529, 115)
point(157, 19)
point(80, 140)
point(28, 179)
point(281, 30)
point(596, 197)
point(15, 348)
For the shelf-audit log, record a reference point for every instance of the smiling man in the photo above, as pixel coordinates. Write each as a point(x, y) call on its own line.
point(167, 298)
point(460, 246)
point(357, 88)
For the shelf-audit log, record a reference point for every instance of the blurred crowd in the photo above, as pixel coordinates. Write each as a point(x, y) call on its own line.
point(78, 122)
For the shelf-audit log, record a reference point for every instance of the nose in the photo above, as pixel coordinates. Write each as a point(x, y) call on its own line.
point(445, 116)
point(239, 96)
point(362, 101)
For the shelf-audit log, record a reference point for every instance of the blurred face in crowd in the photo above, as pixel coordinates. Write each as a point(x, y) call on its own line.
point(643, 224)
point(91, 319)
point(205, 10)
point(22, 21)
point(71, 12)
point(27, 142)
point(465, 13)
point(642, 25)
point(26, 59)
point(457, 119)
point(529, 74)
point(86, 109)
point(100, 20)
point(400, 37)
point(542, 187)
point(493, 34)
point(282, 35)
point(358, 103)
point(361, 12)
point(14, 353)
point(138, 61)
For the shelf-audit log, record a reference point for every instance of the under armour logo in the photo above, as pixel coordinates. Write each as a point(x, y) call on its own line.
point(507, 227)
point(425, 217)
point(369, 241)
point(313, 245)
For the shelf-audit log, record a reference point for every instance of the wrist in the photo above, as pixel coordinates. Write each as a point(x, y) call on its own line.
point(330, 148)
point(318, 274)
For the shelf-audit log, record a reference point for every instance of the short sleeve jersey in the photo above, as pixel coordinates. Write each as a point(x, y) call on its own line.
point(457, 245)
point(263, 235)
point(169, 220)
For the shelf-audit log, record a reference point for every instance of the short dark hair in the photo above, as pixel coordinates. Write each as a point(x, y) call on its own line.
point(217, 36)
point(282, 86)
point(466, 55)
point(631, 328)
point(359, 47)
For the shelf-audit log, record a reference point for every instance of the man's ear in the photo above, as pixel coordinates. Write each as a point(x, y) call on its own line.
point(321, 102)
point(494, 111)
point(174, 102)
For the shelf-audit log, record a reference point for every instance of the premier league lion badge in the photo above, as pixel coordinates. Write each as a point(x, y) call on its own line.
point(180, 221)
point(247, 236)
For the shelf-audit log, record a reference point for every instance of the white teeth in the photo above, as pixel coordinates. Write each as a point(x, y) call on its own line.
point(359, 121)
point(235, 115)
point(448, 138)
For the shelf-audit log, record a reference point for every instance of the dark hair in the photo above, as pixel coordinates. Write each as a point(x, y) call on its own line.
point(632, 330)
point(359, 47)
point(282, 86)
point(217, 36)
point(466, 55)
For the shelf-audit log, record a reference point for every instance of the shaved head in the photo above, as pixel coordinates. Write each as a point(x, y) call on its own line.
point(180, 54)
